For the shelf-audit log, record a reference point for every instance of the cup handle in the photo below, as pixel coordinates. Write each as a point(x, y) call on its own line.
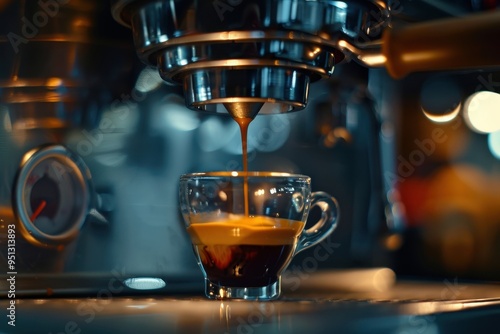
point(330, 213)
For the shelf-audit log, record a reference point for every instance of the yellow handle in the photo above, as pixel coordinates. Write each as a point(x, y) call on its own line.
point(448, 44)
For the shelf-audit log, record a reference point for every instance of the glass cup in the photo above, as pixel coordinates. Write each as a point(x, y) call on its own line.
point(246, 227)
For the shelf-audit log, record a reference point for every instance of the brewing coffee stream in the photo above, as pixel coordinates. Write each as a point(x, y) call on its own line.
point(243, 113)
point(244, 123)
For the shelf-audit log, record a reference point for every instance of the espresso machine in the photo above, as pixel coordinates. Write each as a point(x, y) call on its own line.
point(104, 105)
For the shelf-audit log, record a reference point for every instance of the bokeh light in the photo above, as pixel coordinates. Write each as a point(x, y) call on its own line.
point(149, 79)
point(494, 144)
point(482, 112)
point(440, 99)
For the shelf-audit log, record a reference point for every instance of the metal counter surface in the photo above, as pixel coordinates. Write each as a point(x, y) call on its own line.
point(407, 307)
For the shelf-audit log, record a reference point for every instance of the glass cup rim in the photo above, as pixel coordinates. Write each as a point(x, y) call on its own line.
point(239, 174)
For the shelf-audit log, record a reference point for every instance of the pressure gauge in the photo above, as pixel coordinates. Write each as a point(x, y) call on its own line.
point(52, 195)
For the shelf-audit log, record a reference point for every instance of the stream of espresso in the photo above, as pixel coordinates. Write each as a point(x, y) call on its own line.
point(244, 123)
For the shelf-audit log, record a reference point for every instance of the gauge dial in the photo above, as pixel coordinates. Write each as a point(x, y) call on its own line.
point(52, 195)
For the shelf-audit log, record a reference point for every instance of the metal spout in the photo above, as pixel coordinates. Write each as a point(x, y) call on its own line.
point(243, 109)
point(265, 51)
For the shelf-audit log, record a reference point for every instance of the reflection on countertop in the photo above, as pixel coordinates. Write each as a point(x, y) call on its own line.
point(446, 306)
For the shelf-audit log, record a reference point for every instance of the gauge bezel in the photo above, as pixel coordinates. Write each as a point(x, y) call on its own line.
point(80, 173)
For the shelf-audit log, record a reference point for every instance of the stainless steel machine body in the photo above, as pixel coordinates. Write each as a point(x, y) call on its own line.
point(248, 51)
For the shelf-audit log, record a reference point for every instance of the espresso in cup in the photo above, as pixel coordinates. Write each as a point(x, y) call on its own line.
point(245, 251)
point(245, 228)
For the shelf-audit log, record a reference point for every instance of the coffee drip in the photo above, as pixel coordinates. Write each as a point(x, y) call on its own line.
point(244, 113)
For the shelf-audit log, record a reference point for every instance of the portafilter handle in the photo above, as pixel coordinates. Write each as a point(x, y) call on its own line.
point(449, 44)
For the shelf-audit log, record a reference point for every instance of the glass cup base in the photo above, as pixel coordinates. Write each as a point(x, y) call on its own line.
point(268, 292)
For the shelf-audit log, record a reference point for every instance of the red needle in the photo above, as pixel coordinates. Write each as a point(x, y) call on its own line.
point(38, 210)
